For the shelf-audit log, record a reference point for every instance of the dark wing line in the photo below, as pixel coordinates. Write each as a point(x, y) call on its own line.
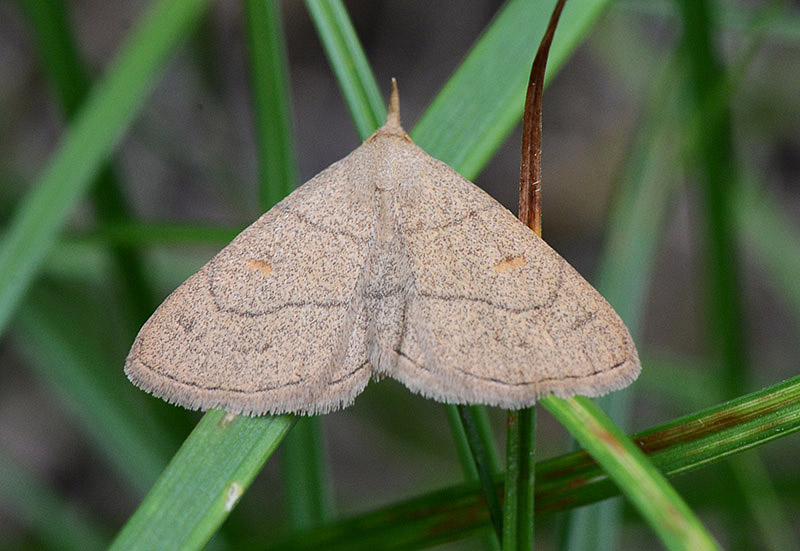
point(325, 229)
point(294, 304)
point(454, 298)
point(240, 391)
point(524, 383)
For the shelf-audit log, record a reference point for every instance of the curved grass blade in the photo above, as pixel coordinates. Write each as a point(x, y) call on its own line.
point(93, 135)
point(656, 500)
point(203, 482)
point(483, 468)
point(682, 445)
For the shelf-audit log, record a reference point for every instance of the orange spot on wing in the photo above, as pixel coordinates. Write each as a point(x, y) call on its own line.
point(510, 263)
point(259, 265)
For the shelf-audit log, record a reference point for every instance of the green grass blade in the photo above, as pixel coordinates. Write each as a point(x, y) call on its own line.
point(574, 479)
point(306, 485)
point(483, 425)
point(651, 494)
point(715, 155)
point(58, 52)
point(679, 446)
point(54, 520)
point(359, 88)
point(463, 452)
point(203, 482)
point(270, 79)
point(718, 432)
point(91, 138)
point(466, 459)
point(482, 467)
point(518, 506)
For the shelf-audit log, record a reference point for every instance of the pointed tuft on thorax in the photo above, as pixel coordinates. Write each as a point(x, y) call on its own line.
point(393, 112)
point(392, 125)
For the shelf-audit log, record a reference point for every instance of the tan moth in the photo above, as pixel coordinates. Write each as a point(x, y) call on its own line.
point(387, 263)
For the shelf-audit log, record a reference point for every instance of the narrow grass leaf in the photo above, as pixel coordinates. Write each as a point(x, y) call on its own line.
point(269, 76)
point(654, 498)
point(482, 467)
point(203, 482)
point(682, 445)
point(715, 165)
point(57, 50)
point(483, 424)
point(463, 452)
point(305, 477)
point(465, 457)
point(518, 505)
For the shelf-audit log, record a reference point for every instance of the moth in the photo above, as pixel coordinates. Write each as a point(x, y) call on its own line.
point(388, 263)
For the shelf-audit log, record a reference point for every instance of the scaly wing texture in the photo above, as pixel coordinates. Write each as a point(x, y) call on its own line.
point(493, 314)
point(274, 322)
